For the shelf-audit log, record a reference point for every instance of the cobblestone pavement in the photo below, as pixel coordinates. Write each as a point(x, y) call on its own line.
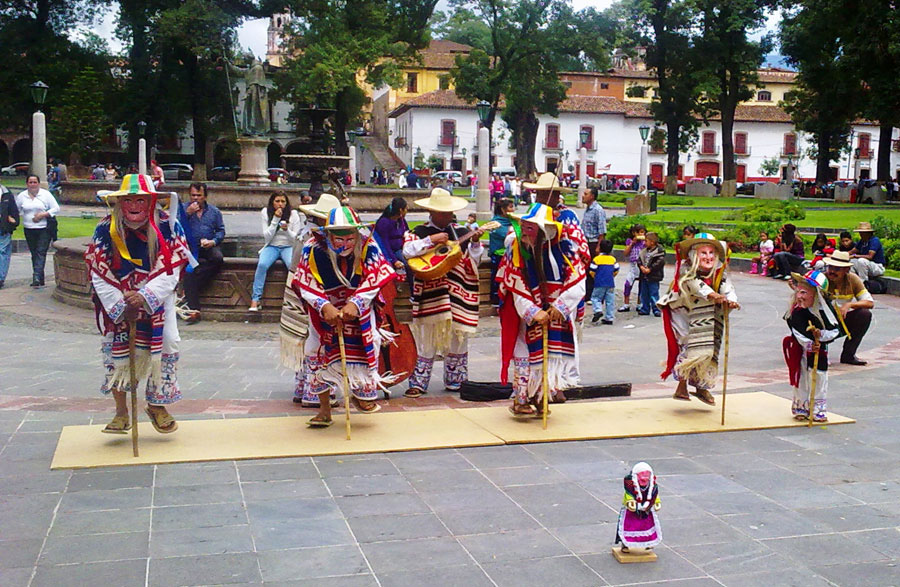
point(778, 507)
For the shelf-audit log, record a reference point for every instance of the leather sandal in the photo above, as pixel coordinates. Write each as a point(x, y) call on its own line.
point(162, 422)
point(413, 392)
point(118, 425)
point(521, 411)
point(371, 409)
point(704, 396)
point(681, 396)
point(319, 422)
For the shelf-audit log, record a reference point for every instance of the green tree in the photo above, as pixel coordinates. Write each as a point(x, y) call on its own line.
point(338, 45)
point(78, 126)
point(461, 25)
point(733, 59)
point(826, 96)
point(664, 29)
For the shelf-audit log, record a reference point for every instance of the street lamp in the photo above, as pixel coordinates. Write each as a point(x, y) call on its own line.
point(483, 108)
point(644, 129)
point(483, 193)
point(39, 133)
point(142, 148)
point(584, 134)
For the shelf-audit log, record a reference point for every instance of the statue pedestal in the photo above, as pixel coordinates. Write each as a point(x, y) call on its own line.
point(254, 161)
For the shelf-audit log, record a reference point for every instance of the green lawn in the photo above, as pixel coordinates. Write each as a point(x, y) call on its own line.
point(842, 218)
point(70, 227)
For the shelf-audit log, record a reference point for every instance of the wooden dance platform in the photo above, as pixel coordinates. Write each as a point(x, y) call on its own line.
point(261, 438)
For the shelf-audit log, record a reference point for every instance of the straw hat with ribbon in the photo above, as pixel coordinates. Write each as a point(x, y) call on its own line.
point(440, 200)
point(839, 259)
point(546, 181)
point(344, 218)
point(864, 227)
point(702, 238)
point(325, 204)
point(814, 278)
point(542, 215)
point(135, 184)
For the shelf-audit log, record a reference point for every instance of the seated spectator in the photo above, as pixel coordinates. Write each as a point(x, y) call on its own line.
point(789, 252)
point(281, 226)
point(207, 231)
point(854, 303)
point(867, 255)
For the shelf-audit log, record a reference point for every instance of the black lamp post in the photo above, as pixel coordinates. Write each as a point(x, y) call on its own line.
point(39, 93)
point(142, 128)
point(484, 111)
point(584, 134)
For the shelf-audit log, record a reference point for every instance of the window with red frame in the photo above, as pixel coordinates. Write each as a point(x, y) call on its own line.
point(552, 137)
point(708, 144)
point(588, 144)
point(448, 132)
point(740, 143)
point(864, 143)
point(790, 144)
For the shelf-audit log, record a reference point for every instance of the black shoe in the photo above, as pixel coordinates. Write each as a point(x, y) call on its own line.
point(643, 313)
point(657, 314)
point(852, 361)
point(608, 322)
point(35, 283)
point(595, 318)
point(1, 284)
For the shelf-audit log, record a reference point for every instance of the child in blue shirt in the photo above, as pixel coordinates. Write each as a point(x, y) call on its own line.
point(603, 271)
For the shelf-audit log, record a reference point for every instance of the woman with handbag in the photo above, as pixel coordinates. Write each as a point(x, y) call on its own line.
point(38, 209)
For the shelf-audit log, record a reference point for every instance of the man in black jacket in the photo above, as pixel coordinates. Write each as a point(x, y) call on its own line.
point(9, 220)
point(652, 265)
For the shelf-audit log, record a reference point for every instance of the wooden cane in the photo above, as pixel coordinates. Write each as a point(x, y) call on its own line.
point(725, 369)
point(545, 384)
point(132, 333)
point(812, 379)
point(340, 329)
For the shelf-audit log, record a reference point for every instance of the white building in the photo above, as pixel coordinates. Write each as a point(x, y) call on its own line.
point(440, 124)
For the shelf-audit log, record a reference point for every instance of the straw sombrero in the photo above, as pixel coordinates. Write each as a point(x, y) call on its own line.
point(813, 278)
point(702, 238)
point(440, 200)
point(344, 218)
point(547, 181)
point(863, 227)
point(325, 204)
point(542, 215)
point(839, 259)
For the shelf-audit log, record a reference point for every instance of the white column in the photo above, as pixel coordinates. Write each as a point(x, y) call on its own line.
point(39, 147)
point(645, 166)
point(483, 193)
point(142, 156)
point(582, 176)
point(352, 165)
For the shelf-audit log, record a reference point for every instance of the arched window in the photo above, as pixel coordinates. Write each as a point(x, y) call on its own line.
point(764, 96)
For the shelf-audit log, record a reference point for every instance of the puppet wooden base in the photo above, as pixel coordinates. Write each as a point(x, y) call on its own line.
point(633, 555)
point(287, 436)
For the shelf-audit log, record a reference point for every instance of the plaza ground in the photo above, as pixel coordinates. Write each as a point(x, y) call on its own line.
point(779, 507)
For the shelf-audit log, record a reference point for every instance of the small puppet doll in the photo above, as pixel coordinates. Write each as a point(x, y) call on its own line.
point(638, 525)
point(814, 323)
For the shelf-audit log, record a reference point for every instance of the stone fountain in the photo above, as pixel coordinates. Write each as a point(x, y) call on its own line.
point(314, 160)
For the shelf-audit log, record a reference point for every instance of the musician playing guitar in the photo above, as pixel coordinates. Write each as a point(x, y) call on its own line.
point(444, 309)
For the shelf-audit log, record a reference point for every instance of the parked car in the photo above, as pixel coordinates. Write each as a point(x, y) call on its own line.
point(20, 168)
point(178, 171)
point(442, 177)
point(749, 188)
point(661, 185)
point(276, 172)
point(224, 173)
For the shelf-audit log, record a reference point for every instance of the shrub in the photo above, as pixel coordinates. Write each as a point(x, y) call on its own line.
point(885, 228)
point(618, 230)
point(768, 211)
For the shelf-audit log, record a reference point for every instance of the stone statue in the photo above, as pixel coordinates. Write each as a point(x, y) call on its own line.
point(255, 116)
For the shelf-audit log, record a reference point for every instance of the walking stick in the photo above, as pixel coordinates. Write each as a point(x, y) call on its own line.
point(340, 329)
point(545, 385)
point(725, 370)
point(132, 333)
point(812, 380)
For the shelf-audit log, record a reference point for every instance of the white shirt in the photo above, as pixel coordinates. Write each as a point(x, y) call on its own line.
point(274, 236)
point(29, 206)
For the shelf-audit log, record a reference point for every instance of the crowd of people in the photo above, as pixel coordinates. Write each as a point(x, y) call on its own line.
point(547, 267)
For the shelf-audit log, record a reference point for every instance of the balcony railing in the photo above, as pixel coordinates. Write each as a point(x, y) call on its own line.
point(788, 152)
point(860, 154)
point(448, 141)
point(745, 152)
point(553, 145)
point(708, 151)
point(590, 145)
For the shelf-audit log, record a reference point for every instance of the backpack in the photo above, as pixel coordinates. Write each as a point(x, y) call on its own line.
point(479, 391)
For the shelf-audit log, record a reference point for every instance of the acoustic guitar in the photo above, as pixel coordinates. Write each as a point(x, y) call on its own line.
point(440, 259)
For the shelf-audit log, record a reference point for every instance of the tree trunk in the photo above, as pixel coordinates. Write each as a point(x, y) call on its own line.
point(885, 134)
point(526, 131)
point(672, 151)
point(823, 159)
point(192, 67)
point(729, 171)
point(340, 125)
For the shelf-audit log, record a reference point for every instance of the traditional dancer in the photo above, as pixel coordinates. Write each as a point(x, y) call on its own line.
point(814, 323)
point(444, 309)
point(294, 323)
point(338, 278)
point(638, 525)
point(135, 260)
point(541, 287)
point(694, 314)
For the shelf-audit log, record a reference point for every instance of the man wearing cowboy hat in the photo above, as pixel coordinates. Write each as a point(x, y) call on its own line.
point(445, 309)
point(547, 190)
point(294, 323)
point(867, 255)
point(338, 277)
point(693, 316)
point(856, 303)
point(541, 287)
point(135, 260)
